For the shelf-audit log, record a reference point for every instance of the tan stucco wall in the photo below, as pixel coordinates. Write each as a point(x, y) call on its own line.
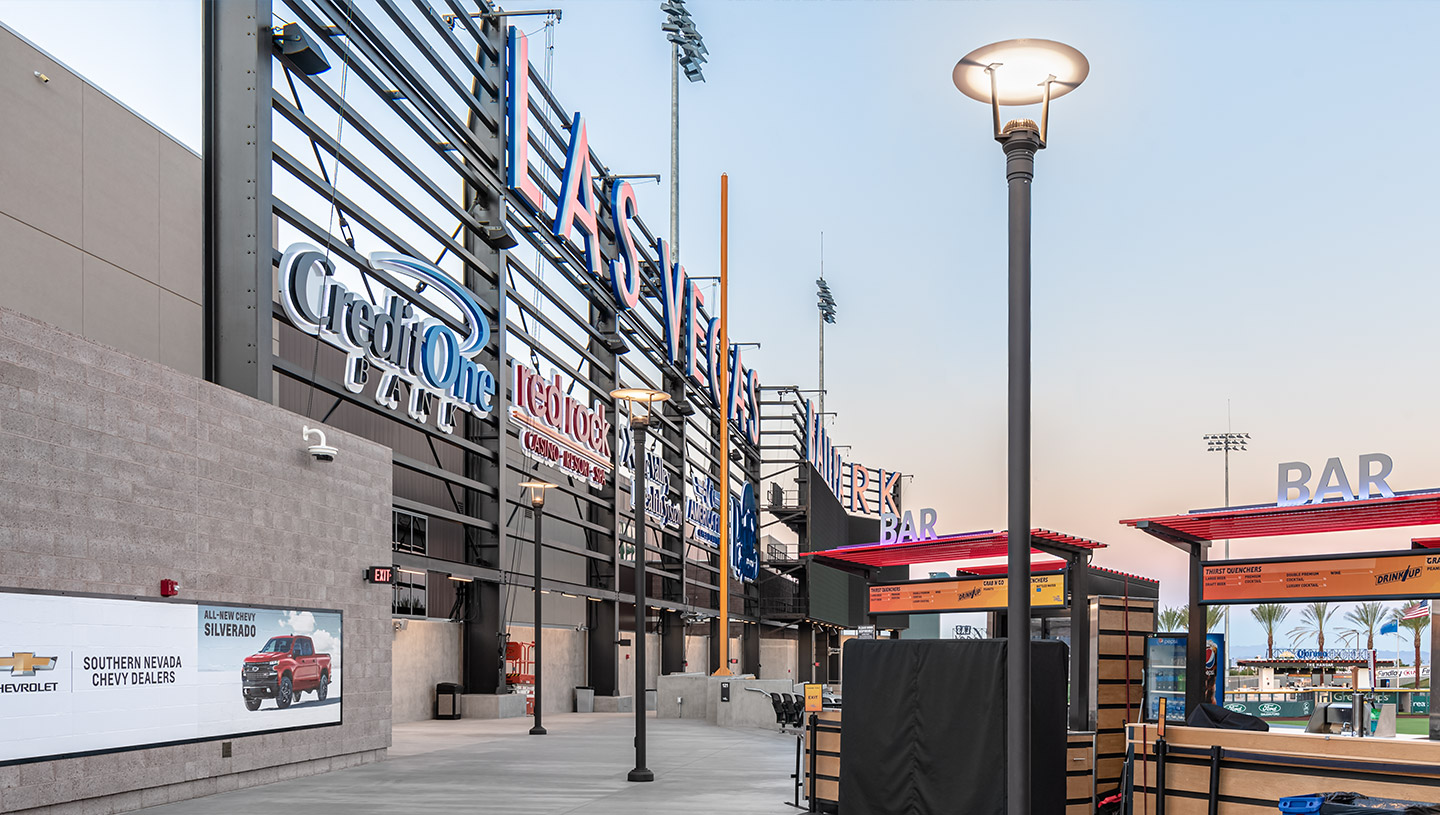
point(101, 215)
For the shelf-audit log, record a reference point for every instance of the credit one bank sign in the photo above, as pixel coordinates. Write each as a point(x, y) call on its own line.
point(848, 480)
point(391, 340)
point(692, 342)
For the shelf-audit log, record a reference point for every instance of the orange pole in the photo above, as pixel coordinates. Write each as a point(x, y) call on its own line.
point(724, 627)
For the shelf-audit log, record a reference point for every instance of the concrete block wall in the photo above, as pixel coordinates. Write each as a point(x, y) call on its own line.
point(701, 694)
point(117, 472)
point(100, 214)
point(626, 656)
point(779, 658)
point(697, 654)
point(424, 653)
point(563, 649)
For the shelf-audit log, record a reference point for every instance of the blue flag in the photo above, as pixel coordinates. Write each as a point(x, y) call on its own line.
point(1391, 627)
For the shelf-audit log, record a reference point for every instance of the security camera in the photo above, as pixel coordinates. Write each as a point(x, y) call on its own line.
point(321, 451)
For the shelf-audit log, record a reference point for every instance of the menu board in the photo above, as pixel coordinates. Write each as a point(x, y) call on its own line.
point(1368, 576)
point(963, 594)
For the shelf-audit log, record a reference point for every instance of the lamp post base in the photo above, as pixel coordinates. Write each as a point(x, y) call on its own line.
point(640, 774)
point(537, 730)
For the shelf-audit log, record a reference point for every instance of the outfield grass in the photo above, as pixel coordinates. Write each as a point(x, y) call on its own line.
point(1404, 725)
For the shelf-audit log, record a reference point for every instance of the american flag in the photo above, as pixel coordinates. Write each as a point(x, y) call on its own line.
point(1416, 611)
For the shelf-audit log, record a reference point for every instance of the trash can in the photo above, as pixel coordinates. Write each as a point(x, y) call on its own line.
point(584, 699)
point(447, 700)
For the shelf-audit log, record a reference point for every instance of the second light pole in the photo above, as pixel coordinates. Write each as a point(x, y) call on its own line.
point(1019, 72)
point(537, 504)
point(638, 423)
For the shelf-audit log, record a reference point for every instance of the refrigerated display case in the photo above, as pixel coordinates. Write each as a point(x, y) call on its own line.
point(1165, 674)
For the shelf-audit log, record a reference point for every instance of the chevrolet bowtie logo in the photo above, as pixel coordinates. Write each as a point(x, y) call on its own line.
point(25, 663)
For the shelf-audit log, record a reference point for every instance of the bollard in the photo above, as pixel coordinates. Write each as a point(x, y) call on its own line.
point(1215, 780)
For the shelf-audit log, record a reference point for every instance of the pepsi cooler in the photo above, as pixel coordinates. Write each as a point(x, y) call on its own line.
point(1165, 674)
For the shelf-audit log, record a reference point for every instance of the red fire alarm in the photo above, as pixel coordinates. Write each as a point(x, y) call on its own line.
point(169, 588)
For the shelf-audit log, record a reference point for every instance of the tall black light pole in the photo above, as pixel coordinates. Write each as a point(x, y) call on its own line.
point(537, 503)
point(638, 423)
point(1019, 72)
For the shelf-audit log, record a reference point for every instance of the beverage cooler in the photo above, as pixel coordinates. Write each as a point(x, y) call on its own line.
point(1165, 674)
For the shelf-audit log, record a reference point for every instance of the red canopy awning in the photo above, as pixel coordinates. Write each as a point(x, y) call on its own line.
point(951, 547)
point(1411, 509)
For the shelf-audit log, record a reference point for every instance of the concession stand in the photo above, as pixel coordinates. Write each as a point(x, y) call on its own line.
point(1107, 612)
point(1196, 769)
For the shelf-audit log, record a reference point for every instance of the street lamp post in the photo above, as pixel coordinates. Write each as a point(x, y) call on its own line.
point(638, 423)
point(537, 503)
point(1216, 443)
point(1019, 72)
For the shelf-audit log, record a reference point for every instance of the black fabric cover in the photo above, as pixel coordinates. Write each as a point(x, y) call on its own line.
point(923, 730)
point(1208, 715)
point(1353, 803)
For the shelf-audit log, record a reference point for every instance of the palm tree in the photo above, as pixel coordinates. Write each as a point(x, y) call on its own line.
point(1366, 617)
point(1417, 627)
point(1215, 616)
point(1270, 615)
point(1313, 617)
point(1178, 618)
point(1175, 619)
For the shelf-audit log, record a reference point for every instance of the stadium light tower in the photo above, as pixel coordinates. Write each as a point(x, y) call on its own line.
point(1225, 443)
point(688, 53)
point(825, 301)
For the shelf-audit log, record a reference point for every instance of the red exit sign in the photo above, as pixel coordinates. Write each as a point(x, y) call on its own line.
point(380, 574)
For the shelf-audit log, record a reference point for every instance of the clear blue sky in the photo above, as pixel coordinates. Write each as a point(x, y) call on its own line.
point(1238, 204)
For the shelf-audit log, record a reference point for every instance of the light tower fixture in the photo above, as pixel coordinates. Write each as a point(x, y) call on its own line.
point(687, 53)
point(1019, 72)
point(1227, 443)
point(825, 301)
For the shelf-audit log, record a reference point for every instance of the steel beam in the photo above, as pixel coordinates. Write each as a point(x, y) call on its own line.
point(237, 47)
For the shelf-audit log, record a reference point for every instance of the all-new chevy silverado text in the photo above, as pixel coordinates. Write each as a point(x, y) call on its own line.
point(285, 668)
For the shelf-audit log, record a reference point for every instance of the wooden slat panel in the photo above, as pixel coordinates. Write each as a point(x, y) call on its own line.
point(1114, 668)
point(1272, 786)
point(1115, 620)
point(1114, 644)
point(1082, 759)
point(1107, 773)
point(1077, 786)
point(1416, 751)
point(1113, 718)
point(826, 790)
point(1079, 809)
point(1112, 600)
point(1383, 767)
point(1176, 805)
point(1116, 694)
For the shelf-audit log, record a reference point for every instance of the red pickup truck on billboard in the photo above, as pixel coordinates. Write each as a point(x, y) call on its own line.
point(285, 668)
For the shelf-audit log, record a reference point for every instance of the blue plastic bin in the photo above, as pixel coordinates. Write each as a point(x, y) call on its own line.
point(1301, 803)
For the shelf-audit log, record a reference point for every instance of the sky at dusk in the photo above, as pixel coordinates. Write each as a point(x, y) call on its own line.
point(1238, 206)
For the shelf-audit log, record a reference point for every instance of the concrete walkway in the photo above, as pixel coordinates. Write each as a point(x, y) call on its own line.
point(579, 767)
